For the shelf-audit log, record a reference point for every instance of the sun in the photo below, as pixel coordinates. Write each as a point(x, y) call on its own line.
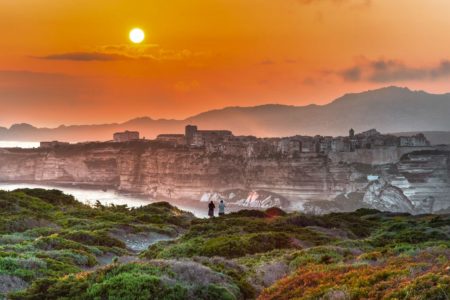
point(137, 35)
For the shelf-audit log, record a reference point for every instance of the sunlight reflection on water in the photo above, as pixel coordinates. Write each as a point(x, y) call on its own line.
point(17, 144)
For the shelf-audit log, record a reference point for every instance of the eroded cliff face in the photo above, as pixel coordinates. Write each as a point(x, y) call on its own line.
point(416, 182)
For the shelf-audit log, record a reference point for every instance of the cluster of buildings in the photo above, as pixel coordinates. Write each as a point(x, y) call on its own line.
point(373, 139)
point(195, 137)
point(370, 139)
point(118, 137)
point(225, 142)
point(418, 140)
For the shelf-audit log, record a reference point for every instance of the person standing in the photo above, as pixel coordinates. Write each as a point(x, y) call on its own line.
point(211, 208)
point(221, 208)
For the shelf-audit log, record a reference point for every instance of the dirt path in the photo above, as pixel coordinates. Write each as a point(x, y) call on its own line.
point(135, 242)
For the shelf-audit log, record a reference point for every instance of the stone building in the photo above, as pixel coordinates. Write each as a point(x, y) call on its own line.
point(308, 145)
point(340, 144)
point(351, 133)
point(368, 133)
point(176, 139)
point(195, 137)
point(418, 140)
point(190, 131)
point(290, 147)
point(126, 136)
point(324, 144)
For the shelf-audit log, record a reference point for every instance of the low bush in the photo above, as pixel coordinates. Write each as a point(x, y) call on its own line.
point(133, 281)
point(93, 238)
point(47, 239)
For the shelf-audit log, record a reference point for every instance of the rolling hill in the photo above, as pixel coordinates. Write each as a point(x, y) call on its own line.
point(390, 109)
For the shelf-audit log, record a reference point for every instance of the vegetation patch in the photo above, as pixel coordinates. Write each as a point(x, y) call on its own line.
point(145, 280)
point(46, 235)
point(54, 247)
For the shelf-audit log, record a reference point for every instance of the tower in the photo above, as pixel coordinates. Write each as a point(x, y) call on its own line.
point(351, 133)
point(190, 131)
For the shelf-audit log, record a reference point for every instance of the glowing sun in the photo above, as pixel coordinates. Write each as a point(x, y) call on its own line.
point(137, 35)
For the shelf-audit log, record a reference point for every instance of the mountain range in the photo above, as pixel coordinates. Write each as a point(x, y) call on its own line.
point(390, 110)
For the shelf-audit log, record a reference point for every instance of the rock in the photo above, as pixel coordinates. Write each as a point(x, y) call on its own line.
point(385, 197)
point(408, 180)
point(269, 273)
point(336, 295)
point(9, 283)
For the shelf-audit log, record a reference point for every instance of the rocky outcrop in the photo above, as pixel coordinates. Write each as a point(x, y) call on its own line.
point(416, 182)
point(383, 196)
point(9, 283)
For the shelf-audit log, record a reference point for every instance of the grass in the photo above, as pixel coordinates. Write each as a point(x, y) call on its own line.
point(54, 244)
point(135, 281)
point(45, 234)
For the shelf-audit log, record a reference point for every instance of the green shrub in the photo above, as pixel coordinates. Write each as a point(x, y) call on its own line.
point(429, 287)
point(318, 255)
point(229, 246)
point(132, 286)
point(213, 292)
point(54, 197)
point(95, 238)
point(25, 268)
point(48, 238)
point(55, 242)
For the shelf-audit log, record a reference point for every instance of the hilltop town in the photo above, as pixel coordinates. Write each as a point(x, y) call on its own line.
point(314, 174)
point(223, 141)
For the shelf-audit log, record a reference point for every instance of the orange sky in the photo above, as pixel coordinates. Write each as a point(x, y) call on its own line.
point(70, 62)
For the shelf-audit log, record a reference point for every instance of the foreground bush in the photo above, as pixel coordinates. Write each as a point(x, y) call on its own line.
point(45, 234)
point(423, 276)
point(150, 280)
point(53, 247)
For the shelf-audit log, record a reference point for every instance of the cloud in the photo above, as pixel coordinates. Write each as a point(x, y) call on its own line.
point(290, 61)
point(364, 3)
point(389, 70)
point(267, 62)
point(443, 70)
point(352, 74)
point(107, 53)
point(85, 56)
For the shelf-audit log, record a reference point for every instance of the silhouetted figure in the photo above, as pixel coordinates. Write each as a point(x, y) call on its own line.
point(211, 208)
point(221, 208)
point(169, 192)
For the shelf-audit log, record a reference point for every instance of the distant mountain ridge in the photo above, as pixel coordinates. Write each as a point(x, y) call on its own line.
point(390, 109)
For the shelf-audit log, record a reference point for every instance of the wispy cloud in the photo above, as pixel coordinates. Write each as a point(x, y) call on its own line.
point(389, 70)
point(107, 53)
point(351, 74)
point(84, 56)
point(267, 62)
point(356, 3)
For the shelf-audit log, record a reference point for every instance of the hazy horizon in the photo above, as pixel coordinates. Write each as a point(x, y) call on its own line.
point(67, 59)
point(148, 116)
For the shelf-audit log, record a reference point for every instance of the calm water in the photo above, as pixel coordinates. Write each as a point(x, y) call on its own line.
point(90, 196)
point(16, 144)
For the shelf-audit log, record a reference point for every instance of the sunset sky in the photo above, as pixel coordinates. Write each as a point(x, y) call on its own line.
point(71, 62)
